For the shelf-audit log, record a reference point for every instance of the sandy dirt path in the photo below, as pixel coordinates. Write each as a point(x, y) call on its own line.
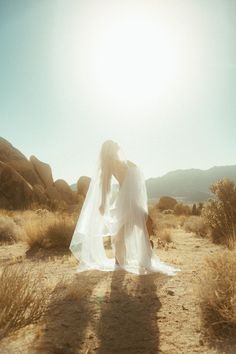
point(118, 312)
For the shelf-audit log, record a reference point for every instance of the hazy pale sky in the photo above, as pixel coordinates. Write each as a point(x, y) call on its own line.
point(158, 77)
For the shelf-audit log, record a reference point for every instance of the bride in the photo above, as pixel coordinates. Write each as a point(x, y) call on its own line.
point(116, 210)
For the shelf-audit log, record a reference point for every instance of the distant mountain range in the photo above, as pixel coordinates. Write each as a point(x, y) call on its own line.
point(190, 185)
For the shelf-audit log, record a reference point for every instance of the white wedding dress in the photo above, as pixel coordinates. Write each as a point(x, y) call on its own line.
point(126, 207)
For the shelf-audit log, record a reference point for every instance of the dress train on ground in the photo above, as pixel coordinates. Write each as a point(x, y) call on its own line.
point(125, 221)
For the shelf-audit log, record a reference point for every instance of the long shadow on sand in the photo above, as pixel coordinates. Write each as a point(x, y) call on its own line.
point(226, 345)
point(128, 322)
point(120, 317)
point(68, 316)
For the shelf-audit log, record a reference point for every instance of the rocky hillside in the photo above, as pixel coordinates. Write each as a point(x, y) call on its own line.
point(23, 181)
point(189, 185)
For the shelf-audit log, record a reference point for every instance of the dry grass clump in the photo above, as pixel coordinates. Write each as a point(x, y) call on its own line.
point(220, 213)
point(163, 239)
point(182, 219)
point(182, 209)
point(217, 294)
point(23, 299)
point(197, 225)
point(5, 212)
point(49, 230)
point(163, 224)
point(165, 235)
point(9, 231)
point(162, 221)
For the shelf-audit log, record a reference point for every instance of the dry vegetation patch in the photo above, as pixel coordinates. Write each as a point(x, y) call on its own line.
point(220, 213)
point(217, 294)
point(197, 225)
point(49, 230)
point(23, 297)
point(163, 225)
point(9, 231)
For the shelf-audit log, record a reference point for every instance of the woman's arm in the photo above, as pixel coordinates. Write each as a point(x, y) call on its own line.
point(103, 202)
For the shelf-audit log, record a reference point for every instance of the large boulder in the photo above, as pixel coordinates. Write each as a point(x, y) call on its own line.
point(43, 170)
point(15, 191)
point(53, 193)
point(4, 202)
point(61, 191)
point(65, 191)
point(83, 185)
point(15, 159)
point(24, 181)
point(40, 195)
point(166, 203)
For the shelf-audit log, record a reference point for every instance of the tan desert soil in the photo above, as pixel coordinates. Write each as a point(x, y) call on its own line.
point(117, 312)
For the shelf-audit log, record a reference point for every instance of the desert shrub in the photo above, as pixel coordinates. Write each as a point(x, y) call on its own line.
point(4, 212)
point(23, 299)
point(217, 294)
point(181, 220)
point(196, 224)
point(168, 221)
point(58, 205)
point(162, 239)
point(51, 205)
point(168, 211)
point(220, 212)
point(165, 235)
point(166, 203)
point(182, 209)
point(50, 231)
point(163, 224)
point(9, 230)
point(163, 221)
point(34, 206)
point(199, 208)
point(194, 209)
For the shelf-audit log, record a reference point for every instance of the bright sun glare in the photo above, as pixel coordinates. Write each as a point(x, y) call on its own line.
point(132, 60)
point(138, 60)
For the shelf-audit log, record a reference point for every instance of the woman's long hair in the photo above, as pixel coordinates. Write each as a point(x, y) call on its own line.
point(107, 155)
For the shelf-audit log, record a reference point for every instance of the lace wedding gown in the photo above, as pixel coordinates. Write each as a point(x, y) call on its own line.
point(126, 211)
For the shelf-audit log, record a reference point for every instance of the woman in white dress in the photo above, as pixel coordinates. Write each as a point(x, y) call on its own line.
point(119, 211)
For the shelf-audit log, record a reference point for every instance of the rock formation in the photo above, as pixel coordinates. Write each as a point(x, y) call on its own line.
point(15, 159)
point(15, 191)
point(43, 171)
point(65, 191)
point(24, 181)
point(83, 185)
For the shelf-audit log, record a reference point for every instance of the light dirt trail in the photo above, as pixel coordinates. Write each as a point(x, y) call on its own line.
point(119, 312)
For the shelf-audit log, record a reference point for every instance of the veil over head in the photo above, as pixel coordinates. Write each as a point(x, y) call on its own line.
point(87, 240)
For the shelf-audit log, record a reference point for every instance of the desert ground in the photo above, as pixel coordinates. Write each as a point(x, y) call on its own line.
point(114, 312)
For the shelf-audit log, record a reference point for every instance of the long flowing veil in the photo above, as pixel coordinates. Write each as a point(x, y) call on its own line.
point(125, 214)
point(87, 240)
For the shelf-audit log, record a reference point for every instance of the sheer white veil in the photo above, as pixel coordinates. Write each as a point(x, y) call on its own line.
point(87, 240)
point(126, 206)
